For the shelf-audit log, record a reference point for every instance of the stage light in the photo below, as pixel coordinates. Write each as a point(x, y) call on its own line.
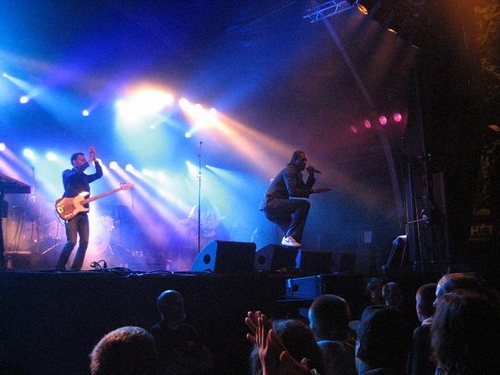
point(393, 26)
point(24, 99)
point(383, 120)
point(142, 106)
point(28, 153)
point(183, 103)
point(3, 146)
point(51, 156)
point(397, 117)
point(354, 129)
point(368, 124)
point(85, 113)
point(129, 168)
point(364, 6)
point(113, 165)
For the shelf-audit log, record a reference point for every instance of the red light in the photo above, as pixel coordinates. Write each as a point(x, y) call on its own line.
point(382, 120)
point(368, 124)
point(397, 117)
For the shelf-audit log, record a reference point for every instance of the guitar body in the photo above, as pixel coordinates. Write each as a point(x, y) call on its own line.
point(68, 208)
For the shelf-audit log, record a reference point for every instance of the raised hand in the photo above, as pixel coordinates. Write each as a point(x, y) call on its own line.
point(92, 156)
point(290, 366)
point(273, 355)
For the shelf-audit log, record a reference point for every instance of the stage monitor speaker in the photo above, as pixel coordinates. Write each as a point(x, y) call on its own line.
point(225, 257)
point(273, 257)
point(315, 262)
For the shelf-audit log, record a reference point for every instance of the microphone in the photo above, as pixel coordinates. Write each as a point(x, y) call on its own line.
point(311, 169)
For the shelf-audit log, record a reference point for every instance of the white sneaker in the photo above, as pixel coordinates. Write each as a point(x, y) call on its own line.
point(290, 241)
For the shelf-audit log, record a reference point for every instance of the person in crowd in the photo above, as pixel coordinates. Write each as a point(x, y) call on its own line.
point(180, 347)
point(283, 347)
point(469, 281)
point(374, 291)
point(383, 342)
point(286, 200)
point(329, 316)
point(127, 350)
point(466, 334)
point(392, 294)
point(421, 361)
point(75, 181)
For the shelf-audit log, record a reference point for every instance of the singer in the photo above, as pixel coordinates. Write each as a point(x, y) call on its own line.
point(286, 200)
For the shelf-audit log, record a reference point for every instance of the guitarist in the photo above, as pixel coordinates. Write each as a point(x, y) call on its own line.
point(76, 181)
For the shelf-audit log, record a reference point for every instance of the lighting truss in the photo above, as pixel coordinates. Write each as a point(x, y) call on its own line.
point(327, 9)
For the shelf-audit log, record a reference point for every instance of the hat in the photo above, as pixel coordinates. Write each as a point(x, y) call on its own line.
point(384, 337)
point(365, 317)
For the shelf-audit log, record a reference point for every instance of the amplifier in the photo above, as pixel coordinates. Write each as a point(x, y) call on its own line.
point(349, 287)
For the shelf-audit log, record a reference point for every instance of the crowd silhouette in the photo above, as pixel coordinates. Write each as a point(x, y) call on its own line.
point(457, 334)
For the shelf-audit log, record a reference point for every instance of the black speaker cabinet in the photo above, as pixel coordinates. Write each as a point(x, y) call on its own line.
point(225, 257)
point(273, 257)
point(315, 262)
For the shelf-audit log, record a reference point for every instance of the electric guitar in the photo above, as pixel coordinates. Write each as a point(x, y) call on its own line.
point(68, 208)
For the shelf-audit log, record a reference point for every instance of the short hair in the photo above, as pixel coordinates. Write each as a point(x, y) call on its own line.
point(128, 350)
point(170, 305)
point(392, 294)
point(425, 298)
point(466, 333)
point(332, 315)
point(468, 281)
point(75, 156)
point(384, 337)
point(297, 155)
point(373, 283)
point(458, 280)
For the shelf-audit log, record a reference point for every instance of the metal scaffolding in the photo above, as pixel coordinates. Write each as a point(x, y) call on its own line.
point(325, 10)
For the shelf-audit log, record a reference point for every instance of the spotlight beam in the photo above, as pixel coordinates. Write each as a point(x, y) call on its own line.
point(398, 199)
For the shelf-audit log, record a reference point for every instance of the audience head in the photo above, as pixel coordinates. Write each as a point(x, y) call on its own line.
point(299, 340)
point(125, 351)
point(384, 339)
point(297, 156)
point(329, 317)
point(424, 301)
point(170, 305)
point(392, 294)
point(374, 290)
point(460, 280)
point(466, 333)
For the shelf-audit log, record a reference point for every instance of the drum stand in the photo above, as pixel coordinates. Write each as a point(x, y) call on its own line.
point(51, 247)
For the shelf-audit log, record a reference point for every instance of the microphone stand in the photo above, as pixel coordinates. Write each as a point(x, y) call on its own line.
point(199, 196)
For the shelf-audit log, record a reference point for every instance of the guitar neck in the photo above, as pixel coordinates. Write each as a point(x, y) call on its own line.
point(102, 195)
